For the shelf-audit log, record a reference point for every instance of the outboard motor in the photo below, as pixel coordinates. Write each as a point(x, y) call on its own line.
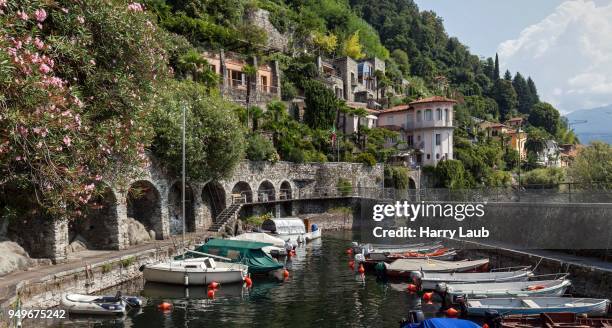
point(416, 278)
point(414, 317)
point(493, 318)
point(446, 299)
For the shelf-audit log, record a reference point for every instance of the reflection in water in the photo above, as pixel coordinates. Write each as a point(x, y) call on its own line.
point(322, 291)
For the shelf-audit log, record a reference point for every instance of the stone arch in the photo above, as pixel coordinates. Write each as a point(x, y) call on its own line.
point(266, 191)
point(144, 205)
point(411, 183)
point(213, 195)
point(242, 192)
point(175, 211)
point(285, 191)
point(98, 228)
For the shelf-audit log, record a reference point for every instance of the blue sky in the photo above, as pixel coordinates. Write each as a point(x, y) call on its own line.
point(565, 45)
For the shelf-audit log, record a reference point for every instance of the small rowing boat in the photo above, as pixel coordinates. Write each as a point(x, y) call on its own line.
point(545, 320)
point(537, 305)
point(429, 280)
point(403, 267)
point(508, 289)
point(98, 305)
point(442, 254)
point(195, 271)
point(381, 252)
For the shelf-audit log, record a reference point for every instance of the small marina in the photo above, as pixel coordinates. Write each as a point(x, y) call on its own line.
point(328, 286)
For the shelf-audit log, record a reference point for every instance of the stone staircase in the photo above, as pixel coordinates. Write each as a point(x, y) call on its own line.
point(224, 217)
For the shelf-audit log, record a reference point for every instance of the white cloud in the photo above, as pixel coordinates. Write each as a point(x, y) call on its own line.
point(568, 54)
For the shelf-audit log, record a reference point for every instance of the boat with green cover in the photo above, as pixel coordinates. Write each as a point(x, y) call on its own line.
point(240, 251)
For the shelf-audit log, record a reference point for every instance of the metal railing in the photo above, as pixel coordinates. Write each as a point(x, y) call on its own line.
point(559, 194)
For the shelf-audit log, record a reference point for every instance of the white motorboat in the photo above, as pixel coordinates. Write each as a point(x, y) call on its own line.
point(98, 305)
point(429, 280)
point(508, 289)
point(292, 229)
point(195, 271)
point(537, 305)
point(381, 252)
point(279, 248)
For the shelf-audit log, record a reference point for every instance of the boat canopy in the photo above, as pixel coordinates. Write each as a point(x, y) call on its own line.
point(285, 226)
point(247, 252)
point(260, 237)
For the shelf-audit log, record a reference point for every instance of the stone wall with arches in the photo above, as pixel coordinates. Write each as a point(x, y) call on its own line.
point(152, 197)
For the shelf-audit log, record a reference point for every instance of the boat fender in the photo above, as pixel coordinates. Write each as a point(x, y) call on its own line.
point(186, 280)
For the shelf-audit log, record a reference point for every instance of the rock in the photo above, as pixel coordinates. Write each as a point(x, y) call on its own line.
point(78, 244)
point(13, 258)
point(152, 234)
point(137, 233)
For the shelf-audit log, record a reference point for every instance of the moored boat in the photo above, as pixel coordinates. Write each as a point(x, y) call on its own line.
point(292, 229)
point(429, 280)
point(195, 271)
point(404, 267)
point(381, 252)
point(508, 289)
point(98, 305)
point(545, 320)
point(241, 251)
point(537, 305)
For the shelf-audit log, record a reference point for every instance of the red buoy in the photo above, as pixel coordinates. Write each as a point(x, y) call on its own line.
point(248, 281)
point(211, 293)
point(451, 313)
point(213, 285)
point(361, 268)
point(349, 251)
point(427, 297)
point(285, 274)
point(485, 326)
point(165, 306)
point(412, 288)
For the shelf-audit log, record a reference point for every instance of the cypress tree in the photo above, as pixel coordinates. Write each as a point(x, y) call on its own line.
point(533, 91)
point(522, 92)
point(508, 76)
point(496, 71)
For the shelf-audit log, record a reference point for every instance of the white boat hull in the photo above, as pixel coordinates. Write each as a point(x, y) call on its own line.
point(537, 305)
point(84, 304)
point(510, 289)
point(193, 272)
point(430, 280)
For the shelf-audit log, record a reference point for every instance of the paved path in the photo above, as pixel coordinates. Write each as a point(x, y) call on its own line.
point(80, 259)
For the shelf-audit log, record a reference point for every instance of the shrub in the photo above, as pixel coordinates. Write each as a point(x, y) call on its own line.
point(260, 149)
point(257, 220)
point(396, 177)
point(344, 186)
point(543, 177)
point(366, 158)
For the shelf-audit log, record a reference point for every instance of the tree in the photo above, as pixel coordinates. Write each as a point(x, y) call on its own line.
point(508, 76)
point(544, 115)
point(321, 105)
point(536, 139)
point(401, 58)
point(506, 97)
point(522, 93)
point(352, 47)
point(250, 71)
point(533, 92)
point(451, 174)
point(592, 167)
point(496, 69)
point(214, 137)
point(325, 42)
point(260, 149)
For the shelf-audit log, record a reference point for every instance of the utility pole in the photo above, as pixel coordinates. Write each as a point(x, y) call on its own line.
point(183, 189)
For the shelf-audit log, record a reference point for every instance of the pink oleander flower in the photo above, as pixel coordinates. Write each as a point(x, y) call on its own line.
point(67, 141)
point(40, 15)
point(39, 43)
point(22, 15)
point(136, 7)
point(2, 3)
point(44, 68)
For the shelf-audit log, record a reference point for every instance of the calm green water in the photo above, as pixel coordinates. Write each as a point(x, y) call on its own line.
point(321, 292)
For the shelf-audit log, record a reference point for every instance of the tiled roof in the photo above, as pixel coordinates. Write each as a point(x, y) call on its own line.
point(514, 119)
point(399, 108)
point(433, 99)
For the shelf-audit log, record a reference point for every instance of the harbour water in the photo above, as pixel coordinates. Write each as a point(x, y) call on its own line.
point(322, 291)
